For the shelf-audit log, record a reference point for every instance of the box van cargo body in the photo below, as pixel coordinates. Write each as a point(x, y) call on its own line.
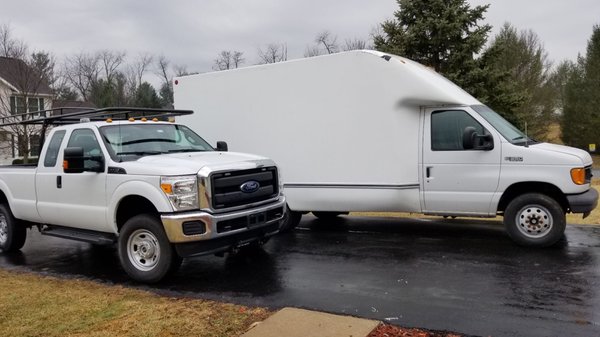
point(368, 131)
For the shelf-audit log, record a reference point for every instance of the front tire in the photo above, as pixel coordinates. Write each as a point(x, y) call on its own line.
point(12, 234)
point(145, 251)
point(535, 220)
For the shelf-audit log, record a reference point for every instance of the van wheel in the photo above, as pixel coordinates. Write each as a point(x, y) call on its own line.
point(12, 234)
point(535, 220)
point(327, 215)
point(144, 250)
point(290, 220)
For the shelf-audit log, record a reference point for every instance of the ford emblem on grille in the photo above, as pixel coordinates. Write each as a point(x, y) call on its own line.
point(250, 186)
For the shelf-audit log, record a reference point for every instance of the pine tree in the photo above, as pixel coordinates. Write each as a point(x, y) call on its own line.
point(581, 115)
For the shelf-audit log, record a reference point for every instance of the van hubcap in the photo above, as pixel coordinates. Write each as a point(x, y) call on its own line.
point(534, 221)
point(3, 229)
point(143, 250)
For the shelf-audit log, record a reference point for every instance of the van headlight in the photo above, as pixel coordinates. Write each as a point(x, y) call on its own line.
point(182, 191)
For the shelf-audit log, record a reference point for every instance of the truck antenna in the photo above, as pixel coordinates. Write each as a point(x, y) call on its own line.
point(526, 136)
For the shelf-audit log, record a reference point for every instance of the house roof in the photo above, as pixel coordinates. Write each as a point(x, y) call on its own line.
point(22, 78)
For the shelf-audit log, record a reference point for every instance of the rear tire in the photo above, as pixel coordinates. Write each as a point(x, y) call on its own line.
point(290, 220)
point(12, 234)
point(535, 220)
point(145, 251)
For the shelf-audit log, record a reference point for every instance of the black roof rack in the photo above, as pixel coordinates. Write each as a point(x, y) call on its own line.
point(72, 115)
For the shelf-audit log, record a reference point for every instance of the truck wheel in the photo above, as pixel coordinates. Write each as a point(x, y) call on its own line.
point(144, 250)
point(290, 220)
point(534, 220)
point(327, 215)
point(12, 234)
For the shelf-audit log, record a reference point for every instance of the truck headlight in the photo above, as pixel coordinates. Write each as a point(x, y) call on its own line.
point(182, 191)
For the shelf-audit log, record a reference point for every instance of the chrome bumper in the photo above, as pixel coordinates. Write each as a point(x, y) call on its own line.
point(254, 218)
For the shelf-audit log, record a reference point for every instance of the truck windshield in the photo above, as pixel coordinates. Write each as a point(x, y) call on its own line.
point(506, 129)
point(130, 142)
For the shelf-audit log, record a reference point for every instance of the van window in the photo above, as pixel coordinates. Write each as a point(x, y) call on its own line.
point(447, 129)
point(86, 139)
point(53, 148)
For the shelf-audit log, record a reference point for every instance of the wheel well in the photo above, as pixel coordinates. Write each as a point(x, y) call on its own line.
point(532, 187)
point(3, 198)
point(131, 206)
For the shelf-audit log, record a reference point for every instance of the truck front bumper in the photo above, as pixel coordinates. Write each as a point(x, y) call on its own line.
point(584, 202)
point(209, 232)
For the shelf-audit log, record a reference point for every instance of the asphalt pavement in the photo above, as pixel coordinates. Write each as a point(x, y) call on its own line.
point(455, 275)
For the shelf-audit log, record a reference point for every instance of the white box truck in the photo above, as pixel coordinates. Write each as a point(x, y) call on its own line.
point(368, 131)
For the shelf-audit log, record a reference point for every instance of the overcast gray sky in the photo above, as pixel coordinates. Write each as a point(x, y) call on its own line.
point(192, 33)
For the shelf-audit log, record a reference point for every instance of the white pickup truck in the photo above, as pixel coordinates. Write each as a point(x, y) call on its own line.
point(154, 187)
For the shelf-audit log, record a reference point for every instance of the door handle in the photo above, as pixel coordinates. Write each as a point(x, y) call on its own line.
point(428, 171)
point(58, 181)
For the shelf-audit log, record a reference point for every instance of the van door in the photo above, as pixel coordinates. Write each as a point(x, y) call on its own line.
point(456, 180)
point(74, 199)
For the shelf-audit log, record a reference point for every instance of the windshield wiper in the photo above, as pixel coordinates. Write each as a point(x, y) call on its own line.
point(139, 153)
point(185, 150)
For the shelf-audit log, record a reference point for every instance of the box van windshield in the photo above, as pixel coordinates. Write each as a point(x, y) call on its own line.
point(506, 129)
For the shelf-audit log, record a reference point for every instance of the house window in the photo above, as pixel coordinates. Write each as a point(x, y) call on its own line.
point(19, 105)
point(5, 136)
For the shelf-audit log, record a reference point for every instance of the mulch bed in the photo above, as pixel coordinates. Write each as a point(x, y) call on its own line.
point(386, 330)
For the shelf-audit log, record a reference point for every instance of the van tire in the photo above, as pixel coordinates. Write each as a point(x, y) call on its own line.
point(145, 251)
point(12, 233)
point(535, 220)
point(291, 219)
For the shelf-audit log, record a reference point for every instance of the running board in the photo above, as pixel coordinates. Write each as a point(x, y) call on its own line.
point(97, 238)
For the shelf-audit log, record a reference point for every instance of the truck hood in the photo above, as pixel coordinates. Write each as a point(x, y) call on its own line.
point(191, 163)
point(582, 155)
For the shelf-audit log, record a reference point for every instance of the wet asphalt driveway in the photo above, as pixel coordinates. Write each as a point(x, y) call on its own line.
point(457, 275)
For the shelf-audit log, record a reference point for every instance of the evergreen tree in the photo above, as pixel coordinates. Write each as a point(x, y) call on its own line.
point(581, 116)
point(442, 34)
point(522, 57)
point(146, 97)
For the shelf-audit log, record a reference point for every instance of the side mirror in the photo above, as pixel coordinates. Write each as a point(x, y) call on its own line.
point(473, 141)
point(222, 146)
point(73, 160)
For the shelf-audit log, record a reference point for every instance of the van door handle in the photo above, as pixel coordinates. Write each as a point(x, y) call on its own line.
point(428, 171)
point(58, 181)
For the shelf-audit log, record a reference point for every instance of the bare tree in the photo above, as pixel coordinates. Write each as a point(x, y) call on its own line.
point(228, 60)
point(10, 46)
point(111, 61)
point(25, 89)
point(312, 51)
point(273, 53)
point(82, 71)
point(355, 44)
point(328, 42)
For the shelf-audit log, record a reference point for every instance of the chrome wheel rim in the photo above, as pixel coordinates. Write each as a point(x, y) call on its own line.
point(143, 250)
point(3, 229)
point(534, 221)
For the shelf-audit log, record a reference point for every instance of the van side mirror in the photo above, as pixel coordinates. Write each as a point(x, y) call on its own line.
point(474, 141)
point(73, 160)
point(222, 146)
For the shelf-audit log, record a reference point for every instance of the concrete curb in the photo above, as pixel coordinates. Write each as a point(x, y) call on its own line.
point(292, 322)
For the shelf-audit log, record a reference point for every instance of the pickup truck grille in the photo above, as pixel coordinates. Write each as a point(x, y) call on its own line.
point(238, 188)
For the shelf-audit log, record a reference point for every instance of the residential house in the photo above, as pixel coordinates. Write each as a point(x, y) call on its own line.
point(22, 89)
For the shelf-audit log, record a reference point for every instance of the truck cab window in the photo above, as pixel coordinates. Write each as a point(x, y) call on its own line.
point(447, 129)
point(86, 139)
point(53, 149)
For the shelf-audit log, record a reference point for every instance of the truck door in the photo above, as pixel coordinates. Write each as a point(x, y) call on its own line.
point(74, 199)
point(458, 180)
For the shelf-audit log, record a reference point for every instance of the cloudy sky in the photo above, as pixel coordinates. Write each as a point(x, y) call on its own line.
point(192, 33)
